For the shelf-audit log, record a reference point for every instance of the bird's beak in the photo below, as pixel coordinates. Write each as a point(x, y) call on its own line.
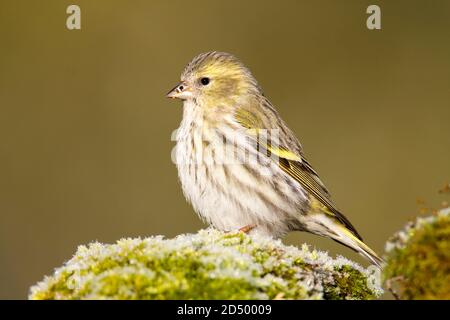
point(181, 91)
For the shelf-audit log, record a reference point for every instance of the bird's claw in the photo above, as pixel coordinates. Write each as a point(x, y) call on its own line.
point(247, 228)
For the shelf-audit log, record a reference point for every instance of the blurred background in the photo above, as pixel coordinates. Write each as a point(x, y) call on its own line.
point(85, 148)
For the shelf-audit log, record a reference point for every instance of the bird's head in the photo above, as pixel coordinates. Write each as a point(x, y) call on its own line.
point(215, 78)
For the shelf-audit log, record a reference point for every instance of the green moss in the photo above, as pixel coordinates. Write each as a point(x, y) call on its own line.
point(350, 283)
point(206, 265)
point(418, 258)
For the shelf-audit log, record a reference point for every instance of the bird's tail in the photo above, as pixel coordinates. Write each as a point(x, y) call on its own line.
point(348, 239)
point(340, 233)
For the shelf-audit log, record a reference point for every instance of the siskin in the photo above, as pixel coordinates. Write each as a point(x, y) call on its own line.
point(239, 164)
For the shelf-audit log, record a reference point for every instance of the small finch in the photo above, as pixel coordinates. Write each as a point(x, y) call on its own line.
point(239, 164)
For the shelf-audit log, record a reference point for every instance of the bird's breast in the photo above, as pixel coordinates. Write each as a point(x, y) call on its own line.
point(224, 187)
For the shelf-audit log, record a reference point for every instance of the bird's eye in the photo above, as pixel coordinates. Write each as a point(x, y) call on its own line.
point(204, 81)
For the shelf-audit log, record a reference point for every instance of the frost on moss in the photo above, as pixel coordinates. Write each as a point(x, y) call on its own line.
point(206, 265)
point(418, 258)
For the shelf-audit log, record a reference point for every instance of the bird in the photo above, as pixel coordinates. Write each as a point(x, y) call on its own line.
point(239, 164)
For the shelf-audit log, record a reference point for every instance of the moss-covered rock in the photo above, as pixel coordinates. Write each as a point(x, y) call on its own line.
point(206, 265)
point(418, 258)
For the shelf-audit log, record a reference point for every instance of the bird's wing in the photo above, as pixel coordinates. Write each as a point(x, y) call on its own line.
point(294, 164)
point(298, 168)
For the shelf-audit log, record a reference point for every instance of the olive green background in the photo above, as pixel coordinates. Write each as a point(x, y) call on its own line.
point(85, 148)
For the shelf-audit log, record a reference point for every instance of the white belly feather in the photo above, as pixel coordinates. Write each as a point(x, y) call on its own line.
point(226, 194)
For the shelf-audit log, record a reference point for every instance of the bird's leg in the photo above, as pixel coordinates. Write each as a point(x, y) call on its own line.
point(247, 228)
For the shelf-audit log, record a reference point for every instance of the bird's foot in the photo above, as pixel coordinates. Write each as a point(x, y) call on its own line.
point(247, 228)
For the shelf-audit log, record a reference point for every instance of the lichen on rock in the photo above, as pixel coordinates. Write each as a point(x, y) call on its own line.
point(206, 265)
point(418, 258)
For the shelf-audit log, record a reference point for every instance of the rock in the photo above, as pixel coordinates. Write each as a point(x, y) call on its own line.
point(206, 265)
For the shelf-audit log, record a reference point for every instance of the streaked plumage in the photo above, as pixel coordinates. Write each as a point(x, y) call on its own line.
point(239, 164)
